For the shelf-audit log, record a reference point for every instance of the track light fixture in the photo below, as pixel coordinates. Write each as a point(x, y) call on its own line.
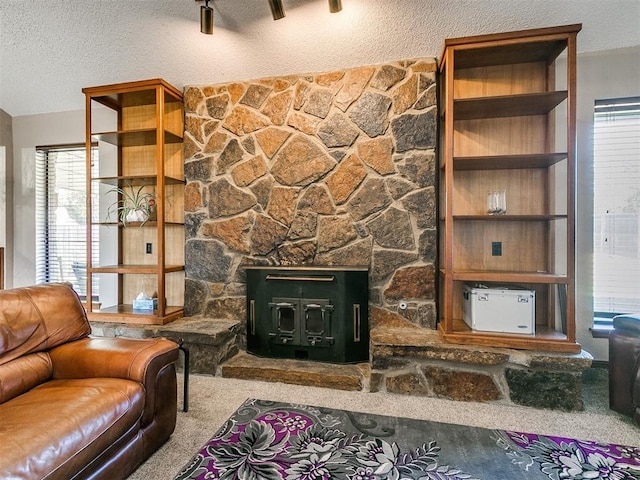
point(277, 10)
point(206, 18)
point(335, 6)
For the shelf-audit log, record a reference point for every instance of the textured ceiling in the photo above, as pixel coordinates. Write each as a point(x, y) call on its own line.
point(50, 49)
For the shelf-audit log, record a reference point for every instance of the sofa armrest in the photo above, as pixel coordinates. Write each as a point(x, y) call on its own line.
point(112, 357)
point(150, 362)
point(628, 323)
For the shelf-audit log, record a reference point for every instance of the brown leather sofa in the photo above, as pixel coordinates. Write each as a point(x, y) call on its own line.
point(624, 366)
point(73, 406)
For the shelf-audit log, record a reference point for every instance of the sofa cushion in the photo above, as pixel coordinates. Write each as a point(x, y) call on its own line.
point(70, 423)
point(24, 373)
point(35, 319)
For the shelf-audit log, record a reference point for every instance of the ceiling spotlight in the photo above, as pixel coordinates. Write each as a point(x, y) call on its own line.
point(335, 6)
point(206, 18)
point(277, 9)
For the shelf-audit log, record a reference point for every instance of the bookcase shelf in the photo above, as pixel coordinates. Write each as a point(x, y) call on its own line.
point(507, 105)
point(508, 124)
point(137, 180)
point(134, 138)
point(508, 218)
point(503, 162)
point(142, 150)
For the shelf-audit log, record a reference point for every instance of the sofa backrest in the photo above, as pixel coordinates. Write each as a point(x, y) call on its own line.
point(24, 373)
point(36, 319)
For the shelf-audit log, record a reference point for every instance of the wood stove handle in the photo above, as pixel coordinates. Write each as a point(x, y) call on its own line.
point(329, 278)
point(252, 316)
point(356, 322)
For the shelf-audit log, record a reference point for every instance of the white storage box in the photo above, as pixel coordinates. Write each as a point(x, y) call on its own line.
point(145, 304)
point(500, 309)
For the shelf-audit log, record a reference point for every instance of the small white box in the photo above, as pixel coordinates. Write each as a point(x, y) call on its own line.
point(500, 309)
point(145, 304)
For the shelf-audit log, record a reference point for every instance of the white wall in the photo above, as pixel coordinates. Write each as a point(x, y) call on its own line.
point(30, 131)
point(610, 74)
point(607, 74)
point(6, 192)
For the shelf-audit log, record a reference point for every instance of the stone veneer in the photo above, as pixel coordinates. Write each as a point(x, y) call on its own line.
point(320, 169)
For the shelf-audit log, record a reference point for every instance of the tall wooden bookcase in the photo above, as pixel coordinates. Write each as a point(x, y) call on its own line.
point(508, 114)
point(141, 146)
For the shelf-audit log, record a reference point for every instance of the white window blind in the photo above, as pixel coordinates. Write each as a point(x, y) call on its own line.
point(61, 209)
point(616, 207)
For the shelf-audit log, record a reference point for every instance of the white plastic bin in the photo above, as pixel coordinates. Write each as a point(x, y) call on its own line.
point(499, 309)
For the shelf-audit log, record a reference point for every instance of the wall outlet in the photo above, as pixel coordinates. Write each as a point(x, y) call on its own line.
point(149, 248)
point(496, 249)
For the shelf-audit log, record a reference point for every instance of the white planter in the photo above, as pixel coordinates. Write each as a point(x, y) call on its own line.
point(136, 216)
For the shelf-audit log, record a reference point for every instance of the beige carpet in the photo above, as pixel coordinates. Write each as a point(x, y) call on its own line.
point(213, 399)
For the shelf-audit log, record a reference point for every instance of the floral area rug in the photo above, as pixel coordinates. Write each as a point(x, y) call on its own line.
point(270, 440)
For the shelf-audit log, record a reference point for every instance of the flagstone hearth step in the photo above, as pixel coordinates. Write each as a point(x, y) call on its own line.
point(353, 377)
point(391, 346)
point(410, 360)
point(405, 359)
point(210, 341)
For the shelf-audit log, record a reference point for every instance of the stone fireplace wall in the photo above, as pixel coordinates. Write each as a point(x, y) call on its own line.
point(318, 169)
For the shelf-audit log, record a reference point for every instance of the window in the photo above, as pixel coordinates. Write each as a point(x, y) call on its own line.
point(616, 208)
point(61, 209)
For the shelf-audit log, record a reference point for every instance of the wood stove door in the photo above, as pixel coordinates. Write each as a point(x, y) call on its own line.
point(316, 322)
point(285, 321)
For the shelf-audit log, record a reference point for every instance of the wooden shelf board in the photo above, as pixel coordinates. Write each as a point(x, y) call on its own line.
point(545, 339)
point(526, 52)
point(134, 138)
point(508, 277)
point(543, 44)
point(134, 269)
point(506, 162)
point(138, 224)
point(131, 99)
point(507, 105)
point(125, 314)
point(136, 180)
point(131, 94)
point(509, 218)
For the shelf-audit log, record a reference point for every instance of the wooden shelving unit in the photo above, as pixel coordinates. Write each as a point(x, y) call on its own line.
point(141, 147)
point(508, 124)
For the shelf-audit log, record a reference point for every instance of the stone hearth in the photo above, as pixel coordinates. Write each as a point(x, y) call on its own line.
point(210, 342)
point(413, 361)
point(405, 359)
point(352, 377)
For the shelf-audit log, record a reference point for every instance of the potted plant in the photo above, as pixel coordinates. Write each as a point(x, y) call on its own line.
point(133, 204)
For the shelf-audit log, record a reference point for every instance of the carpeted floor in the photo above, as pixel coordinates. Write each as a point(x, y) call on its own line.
point(214, 399)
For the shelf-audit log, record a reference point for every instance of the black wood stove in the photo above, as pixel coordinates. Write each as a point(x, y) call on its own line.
point(314, 313)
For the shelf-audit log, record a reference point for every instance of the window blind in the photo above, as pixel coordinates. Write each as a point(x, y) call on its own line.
point(61, 209)
point(616, 207)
